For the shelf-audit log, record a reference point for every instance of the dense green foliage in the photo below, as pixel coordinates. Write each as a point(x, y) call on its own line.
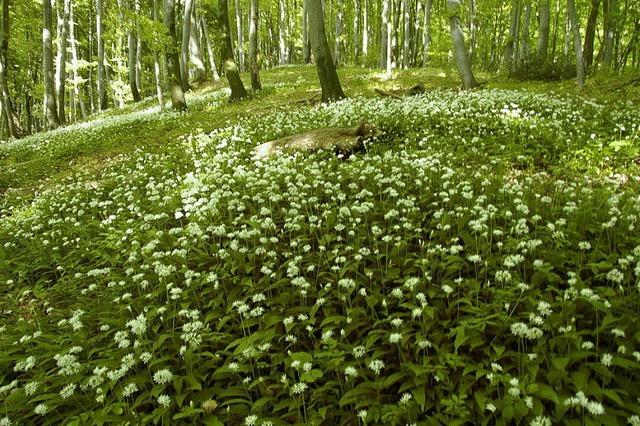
point(480, 263)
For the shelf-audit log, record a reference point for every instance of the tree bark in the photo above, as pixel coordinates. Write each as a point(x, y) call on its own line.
point(184, 52)
point(156, 61)
point(13, 124)
point(387, 35)
point(338, 41)
point(132, 53)
point(239, 35)
point(102, 92)
point(406, 45)
point(356, 31)
point(590, 33)
point(195, 52)
point(282, 22)
point(51, 110)
point(473, 12)
point(577, 43)
point(306, 47)
point(253, 45)
point(230, 67)
point(365, 30)
point(61, 60)
point(512, 44)
point(525, 31)
point(329, 81)
point(544, 19)
point(609, 7)
point(173, 57)
point(459, 49)
point(426, 35)
point(77, 85)
point(212, 60)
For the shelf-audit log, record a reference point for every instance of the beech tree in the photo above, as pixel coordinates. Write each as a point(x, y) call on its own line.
point(329, 81)
point(173, 58)
point(459, 49)
point(230, 66)
point(253, 46)
point(51, 110)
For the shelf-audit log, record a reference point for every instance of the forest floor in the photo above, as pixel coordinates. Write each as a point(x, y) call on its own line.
point(479, 263)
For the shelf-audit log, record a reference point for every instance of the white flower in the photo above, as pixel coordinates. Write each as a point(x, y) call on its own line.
point(376, 365)
point(68, 390)
point(162, 377)
point(164, 400)
point(298, 388)
point(41, 409)
point(250, 420)
point(395, 337)
point(490, 407)
point(606, 359)
point(406, 397)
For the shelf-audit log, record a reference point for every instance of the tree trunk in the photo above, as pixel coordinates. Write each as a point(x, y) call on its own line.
point(329, 82)
point(173, 57)
point(387, 35)
point(556, 26)
point(253, 45)
point(365, 30)
point(282, 22)
point(512, 43)
point(138, 48)
point(609, 7)
point(230, 68)
point(426, 35)
point(590, 33)
point(212, 61)
point(156, 61)
point(133, 48)
point(544, 18)
point(77, 86)
point(184, 52)
point(577, 43)
point(61, 60)
point(102, 92)
point(356, 32)
point(306, 47)
point(406, 45)
point(338, 41)
point(525, 31)
point(459, 49)
point(51, 110)
point(195, 53)
point(473, 12)
point(13, 123)
point(240, 36)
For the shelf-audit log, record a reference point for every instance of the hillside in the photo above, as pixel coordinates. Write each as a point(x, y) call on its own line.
point(479, 263)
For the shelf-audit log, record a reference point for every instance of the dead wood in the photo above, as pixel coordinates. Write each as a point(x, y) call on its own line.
point(418, 89)
point(342, 140)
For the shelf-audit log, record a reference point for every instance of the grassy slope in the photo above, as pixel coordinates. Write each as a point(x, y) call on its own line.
point(23, 168)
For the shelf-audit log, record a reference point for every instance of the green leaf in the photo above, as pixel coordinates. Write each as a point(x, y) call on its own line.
point(311, 376)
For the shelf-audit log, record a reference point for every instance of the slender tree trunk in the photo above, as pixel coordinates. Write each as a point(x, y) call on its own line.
point(387, 35)
point(306, 47)
point(186, 35)
point(195, 53)
point(51, 110)
point(338, 42)
point(173, 57)
point(590, 33)
point(459, 49)
point(138, 48)
point(329, 81)
point(426, 35)
point(510, 56)
point(102, 92)
point(210, 55)
point(365, 30)
point(406, 45)
point(61, 60)
point(13, 124)
point(473, 30)
point(356, 32)
point(131, 63)
point(577, 43)
point(609, 9)
point(282, 22)
point(77, 85)
point(156, 60)
point(556, 26)
point(253, 45)
point(544, 17)
point(525, 31)
point(230, 67)
point(239, 35)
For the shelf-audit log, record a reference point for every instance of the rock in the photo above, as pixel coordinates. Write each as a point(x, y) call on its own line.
point(342, 140)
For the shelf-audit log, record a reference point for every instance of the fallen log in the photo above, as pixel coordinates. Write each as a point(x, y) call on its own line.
point(400, 93)
point(341, 140)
